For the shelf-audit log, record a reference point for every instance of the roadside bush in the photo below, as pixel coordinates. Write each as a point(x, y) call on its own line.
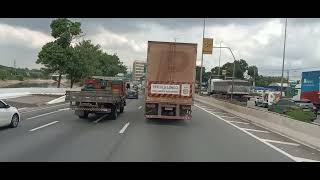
point(20, 78)
point(299, 114)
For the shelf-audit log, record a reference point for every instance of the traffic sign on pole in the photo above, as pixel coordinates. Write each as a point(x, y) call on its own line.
point(207, 45)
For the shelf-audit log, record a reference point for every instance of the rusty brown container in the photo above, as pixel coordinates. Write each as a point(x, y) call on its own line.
point(170, 78)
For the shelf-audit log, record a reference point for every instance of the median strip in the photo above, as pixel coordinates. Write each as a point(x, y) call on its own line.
point(44, 126)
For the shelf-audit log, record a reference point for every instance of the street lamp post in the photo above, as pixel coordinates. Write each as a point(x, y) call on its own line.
point(219, 59)
point(284, 54)
point(204, 26)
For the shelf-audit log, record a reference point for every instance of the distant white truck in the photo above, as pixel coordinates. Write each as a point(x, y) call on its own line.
point(210, 88)
point(267, 99)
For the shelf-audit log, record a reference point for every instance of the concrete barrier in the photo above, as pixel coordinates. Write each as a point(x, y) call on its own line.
point(305, 133)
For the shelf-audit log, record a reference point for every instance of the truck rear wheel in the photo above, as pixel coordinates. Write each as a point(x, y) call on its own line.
point(85, 115)
point(114, 113)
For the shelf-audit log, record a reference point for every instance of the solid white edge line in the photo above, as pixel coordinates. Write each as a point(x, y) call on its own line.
point(43, 126)
point(124, 128)
point(255, 130)
point(238, 122)
point(268, 144)
point(228, 116)
point(45, 114)
point(305, 160)
point(43, 108)
point(96, 121)
point(139, 107)
point(218, 112)
point(280, 142)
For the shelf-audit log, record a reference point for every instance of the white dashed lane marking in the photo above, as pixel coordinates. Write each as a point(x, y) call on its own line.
point(44, 126)
point(124, 128)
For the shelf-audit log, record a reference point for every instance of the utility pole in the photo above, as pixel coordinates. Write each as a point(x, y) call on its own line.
point(288, 76)
point(15, 65)
point(219, 60)
point(204, 26)
point(254, 77)
point(284, 53)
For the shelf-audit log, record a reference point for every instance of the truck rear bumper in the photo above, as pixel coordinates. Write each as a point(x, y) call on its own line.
point(168, 117)
point(91, 109)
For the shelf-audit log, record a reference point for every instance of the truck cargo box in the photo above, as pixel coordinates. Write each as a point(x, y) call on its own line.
point(170, 79)
point(310, 86)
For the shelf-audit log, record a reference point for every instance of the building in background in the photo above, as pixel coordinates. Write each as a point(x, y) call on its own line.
point(138, 70)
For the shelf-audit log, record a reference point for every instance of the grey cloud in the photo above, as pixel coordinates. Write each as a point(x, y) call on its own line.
point(37, 24)
point(24, 57)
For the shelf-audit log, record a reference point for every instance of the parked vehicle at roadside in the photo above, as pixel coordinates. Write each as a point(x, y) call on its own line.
point(289, 107)
point(267, 99)
point(9, 115)
point(307, 103)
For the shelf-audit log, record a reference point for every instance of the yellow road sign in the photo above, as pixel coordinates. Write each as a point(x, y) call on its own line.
point(207, 45)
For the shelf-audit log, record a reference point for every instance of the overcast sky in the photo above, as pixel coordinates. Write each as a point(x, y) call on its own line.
point(258, 41)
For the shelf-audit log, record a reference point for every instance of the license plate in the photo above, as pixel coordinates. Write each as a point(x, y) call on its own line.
point(168, 108)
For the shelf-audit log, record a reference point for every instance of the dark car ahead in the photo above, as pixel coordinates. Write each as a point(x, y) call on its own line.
point(132, 94)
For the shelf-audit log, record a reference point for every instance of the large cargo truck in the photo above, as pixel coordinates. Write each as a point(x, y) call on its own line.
point(170, 80)
point(310, 87)
point(100, 95)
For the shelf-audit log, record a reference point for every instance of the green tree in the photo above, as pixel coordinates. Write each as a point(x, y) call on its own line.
point(110, 65)
point(241, 67)
point(253, 71)
point(55, 56)
point(215, 71)
point(83, 59)
point(206, 76)
point(64, 31)
point(198, 69)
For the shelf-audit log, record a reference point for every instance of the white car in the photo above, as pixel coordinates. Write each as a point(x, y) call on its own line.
point(9, 116)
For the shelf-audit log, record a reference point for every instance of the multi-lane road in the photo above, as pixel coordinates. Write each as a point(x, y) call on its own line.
point(54, 133)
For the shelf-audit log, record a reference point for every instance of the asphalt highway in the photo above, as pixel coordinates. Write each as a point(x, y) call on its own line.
point(53, 133)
